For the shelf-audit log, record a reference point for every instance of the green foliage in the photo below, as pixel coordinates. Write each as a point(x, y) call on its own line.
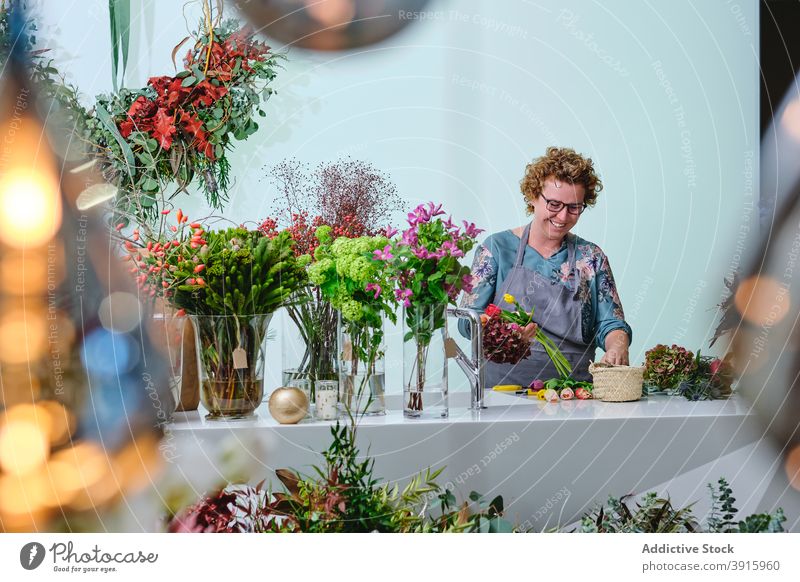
point(343, 270)
point(119, 12)
point(245, 273)
point(345, 496)
point(723, 512)
point(657, 515)
point(652, 515)
point(710, 379)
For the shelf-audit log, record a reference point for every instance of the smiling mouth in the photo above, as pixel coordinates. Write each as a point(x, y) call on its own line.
point(557, 224)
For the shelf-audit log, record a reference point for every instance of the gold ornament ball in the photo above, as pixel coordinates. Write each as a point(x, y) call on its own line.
point(288, 405)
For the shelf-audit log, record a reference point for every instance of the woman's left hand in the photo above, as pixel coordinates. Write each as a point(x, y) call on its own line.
point(616, 348)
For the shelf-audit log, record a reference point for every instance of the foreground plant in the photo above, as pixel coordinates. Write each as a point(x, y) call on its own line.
point(342, 496)
point(657, 515)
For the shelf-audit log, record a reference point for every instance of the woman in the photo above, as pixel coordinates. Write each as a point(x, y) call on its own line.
point(564, 278)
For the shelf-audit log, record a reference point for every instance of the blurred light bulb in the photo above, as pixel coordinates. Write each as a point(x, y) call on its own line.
point(23, 446)
point(30, 208)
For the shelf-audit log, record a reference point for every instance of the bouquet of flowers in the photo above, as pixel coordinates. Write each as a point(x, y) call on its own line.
point(521, 318)
point(179, 128)
point(710, 379)
point(502, 340)
point(231, 281)
point(352, 199)
point(557, 389)
point(356, 283)
point(664, 366)
point(425, 265)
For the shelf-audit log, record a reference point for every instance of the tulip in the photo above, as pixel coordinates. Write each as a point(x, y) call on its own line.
point(567, 394)
point(536, 385)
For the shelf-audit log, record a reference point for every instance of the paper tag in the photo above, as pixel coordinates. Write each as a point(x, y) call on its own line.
point(450, 348)
point(239, 359)
point(347, 351)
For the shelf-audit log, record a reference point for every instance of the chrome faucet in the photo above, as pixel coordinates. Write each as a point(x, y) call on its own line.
point(472, 367)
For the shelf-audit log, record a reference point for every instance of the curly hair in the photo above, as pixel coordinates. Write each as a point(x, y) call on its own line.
point(566, 165)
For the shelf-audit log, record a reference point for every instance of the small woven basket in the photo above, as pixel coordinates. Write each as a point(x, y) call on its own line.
point(616, 383)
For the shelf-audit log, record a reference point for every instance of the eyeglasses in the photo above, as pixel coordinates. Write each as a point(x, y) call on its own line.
point(557, 205)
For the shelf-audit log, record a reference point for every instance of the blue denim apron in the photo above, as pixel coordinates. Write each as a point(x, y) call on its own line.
point(557, 311)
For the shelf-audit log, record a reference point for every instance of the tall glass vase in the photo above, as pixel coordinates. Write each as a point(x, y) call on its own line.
point(309, 343)
point(425, 361)
point(167, 334)
point(230, 351)
point(362, 378)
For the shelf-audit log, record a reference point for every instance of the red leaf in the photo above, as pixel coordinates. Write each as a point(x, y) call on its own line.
point(191, 123)
point(164, 128)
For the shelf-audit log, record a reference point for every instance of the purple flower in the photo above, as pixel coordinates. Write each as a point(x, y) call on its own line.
point(470, 229)
point(434, 210)
point(449, 247)
point(390, 231)
point(384, 255)
point(421, 253)
point(374, 287)
point(403, 295)
point(537, 385)
point(409, 238)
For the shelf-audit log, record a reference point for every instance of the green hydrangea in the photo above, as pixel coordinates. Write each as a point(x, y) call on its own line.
point(344, 267)
point(323, 234)
point(318, 272)
point(351, 310)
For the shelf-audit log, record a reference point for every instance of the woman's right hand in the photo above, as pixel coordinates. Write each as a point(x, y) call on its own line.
point(529, 331)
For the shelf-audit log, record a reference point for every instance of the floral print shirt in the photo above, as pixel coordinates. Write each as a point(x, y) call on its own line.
point(601, 310)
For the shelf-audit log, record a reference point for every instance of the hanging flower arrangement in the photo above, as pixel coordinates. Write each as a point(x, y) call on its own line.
point(177, 130)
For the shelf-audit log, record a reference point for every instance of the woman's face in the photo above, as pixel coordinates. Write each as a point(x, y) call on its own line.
point(555, 225)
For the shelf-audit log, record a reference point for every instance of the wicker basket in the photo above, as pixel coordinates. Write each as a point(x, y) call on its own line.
point(616, 383)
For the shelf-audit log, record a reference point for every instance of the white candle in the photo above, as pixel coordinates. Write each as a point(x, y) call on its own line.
point(326, 402)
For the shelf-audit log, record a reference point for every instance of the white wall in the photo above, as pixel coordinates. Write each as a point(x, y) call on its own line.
point(661, 93)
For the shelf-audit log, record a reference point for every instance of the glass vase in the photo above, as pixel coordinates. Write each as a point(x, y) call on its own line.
point(309, 343)
point(230, 352)
point(362, 377)
point(425, 361)
point(166, 332)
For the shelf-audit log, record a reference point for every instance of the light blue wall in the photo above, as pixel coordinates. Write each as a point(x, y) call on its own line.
point(661, 94)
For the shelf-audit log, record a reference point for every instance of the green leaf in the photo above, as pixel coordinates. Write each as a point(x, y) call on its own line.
point(188, 81)
point(119, 12)
point(148, 184)
point(109, 124)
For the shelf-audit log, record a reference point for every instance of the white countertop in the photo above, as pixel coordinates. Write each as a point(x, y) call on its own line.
point(501, 407)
